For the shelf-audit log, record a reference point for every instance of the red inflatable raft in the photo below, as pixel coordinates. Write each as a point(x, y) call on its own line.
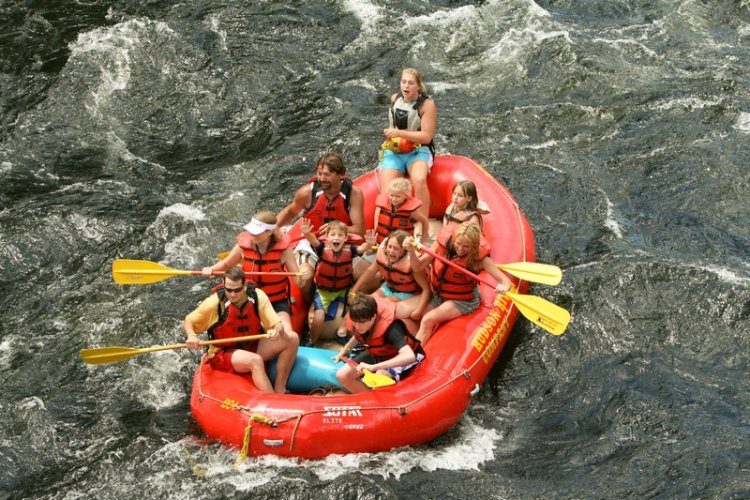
point(424, 405)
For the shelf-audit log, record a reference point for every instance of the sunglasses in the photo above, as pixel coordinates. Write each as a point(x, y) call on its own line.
point(234, 290)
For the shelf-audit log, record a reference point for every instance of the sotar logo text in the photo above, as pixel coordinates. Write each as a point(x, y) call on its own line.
point(342, 411)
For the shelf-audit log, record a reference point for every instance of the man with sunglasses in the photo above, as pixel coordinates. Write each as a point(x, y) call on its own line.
point(236, 309)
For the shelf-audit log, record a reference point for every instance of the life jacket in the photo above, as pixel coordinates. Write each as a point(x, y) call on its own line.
point(401, 218)
point(374, 340)
point(335, 271)
point(405, 116)
point(276, 287)
point(322, 210)
point(463, 216)
point(398, 275)
point(446, 281)
point(236, 322)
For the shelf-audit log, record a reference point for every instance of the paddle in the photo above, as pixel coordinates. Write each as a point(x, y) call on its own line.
point(101, 355)
point(370, 379)
point(539, 311)
point(143, 272)
point(533, 271)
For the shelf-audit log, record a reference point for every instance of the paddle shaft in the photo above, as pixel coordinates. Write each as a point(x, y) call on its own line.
point(456, 266)
point(143, 272)
point(99, 355)
point(203, 343)
point(179, 272)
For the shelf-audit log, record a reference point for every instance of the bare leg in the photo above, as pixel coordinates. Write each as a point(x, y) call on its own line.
point(347, 377)
point(285, 347)
point(246, 361)
point(418, 171)
point(319, 318)
point(444, 312)
point(406, 307)
point(287, 321)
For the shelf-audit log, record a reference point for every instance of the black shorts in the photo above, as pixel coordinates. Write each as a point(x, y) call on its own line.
point(282, 306)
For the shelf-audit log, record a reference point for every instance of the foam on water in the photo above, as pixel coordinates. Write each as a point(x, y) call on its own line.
point(611, 222)
point(187, 212)
point(156, 384)
point(368, 13)
point(743, 122)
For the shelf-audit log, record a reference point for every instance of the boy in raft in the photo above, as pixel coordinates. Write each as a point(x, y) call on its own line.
point(454, 293)
point(464, 205)
point(334, 272)
point(398, 209)
point(237, 309)
point(390, 349)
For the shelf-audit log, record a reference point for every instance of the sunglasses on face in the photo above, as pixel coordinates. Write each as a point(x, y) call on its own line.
point(234, 290)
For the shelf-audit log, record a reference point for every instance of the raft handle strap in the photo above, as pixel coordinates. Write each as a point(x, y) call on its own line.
point(246, 440)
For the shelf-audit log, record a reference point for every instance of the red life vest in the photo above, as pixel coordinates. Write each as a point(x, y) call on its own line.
point(335, 271)
point(374, 341)
point(448, 282)
point(276, 287)
point(237, 322)
point(397, 275)
point(322, 210)
point(400, 218)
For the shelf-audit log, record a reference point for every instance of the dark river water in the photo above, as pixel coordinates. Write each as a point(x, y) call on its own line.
point(146, 130)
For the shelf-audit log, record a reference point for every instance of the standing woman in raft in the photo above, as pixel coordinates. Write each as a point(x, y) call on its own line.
point(411, 119)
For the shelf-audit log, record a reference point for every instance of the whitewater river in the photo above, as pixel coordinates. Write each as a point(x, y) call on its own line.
point(146, 130)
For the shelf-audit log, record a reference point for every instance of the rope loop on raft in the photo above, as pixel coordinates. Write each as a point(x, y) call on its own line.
point(246, 439)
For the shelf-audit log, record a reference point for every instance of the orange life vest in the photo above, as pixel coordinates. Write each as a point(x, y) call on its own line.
point(398, 275)
point(463, 216)
point(335, 271)
point(276, 287)
point(400, 218)
point(448, 282)
point(323, 210)
point(237, 322)
point(374, 340)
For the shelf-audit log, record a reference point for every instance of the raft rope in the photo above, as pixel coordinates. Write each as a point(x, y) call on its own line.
point(246, 440)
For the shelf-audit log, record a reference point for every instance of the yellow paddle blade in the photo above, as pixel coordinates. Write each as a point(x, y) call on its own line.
point(533, 271)
point(539, 311)
point(142, 272)
point(374, 380)
point(222, 255)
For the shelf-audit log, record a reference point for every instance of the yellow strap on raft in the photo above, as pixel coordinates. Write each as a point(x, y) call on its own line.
point(246, 440)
